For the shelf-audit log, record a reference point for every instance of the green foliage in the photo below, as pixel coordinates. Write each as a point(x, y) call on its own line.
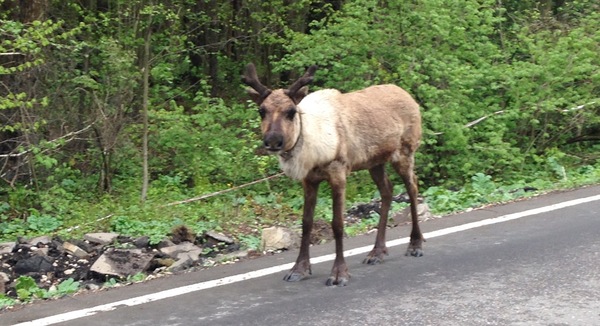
point(6, 301)
point(138, 277)
point(362, 226)
point(156, 230)
point(42, 223)
point(34, 224)
point(65, 287)
point(457, 61)
point(27, 289)
point(509, 95)
point(250, 242)
point(112, 282)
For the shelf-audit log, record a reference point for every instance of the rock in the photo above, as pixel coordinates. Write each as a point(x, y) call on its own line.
point(7, 247)
point(276, 238)
point(194, 256)
point(75, 250)
point(3, 280)
point(219, 237)
point(83, 244)
point(92, 287)
point(122, 263)
point(405, 217)
point(233, 256)
point(58, 245)
point(44, 240)
point(34, 264)
point(165, 243)
point(41, 251)
point(141, 242)
point(165, 261)
point(183, 262)
point(185, 247)
point(102, 238)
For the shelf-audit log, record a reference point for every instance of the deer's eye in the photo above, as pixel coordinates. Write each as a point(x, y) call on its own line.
point(290, 113)
point(262, 112)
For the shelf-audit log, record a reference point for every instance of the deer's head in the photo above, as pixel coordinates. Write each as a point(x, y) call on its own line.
point(280, 121)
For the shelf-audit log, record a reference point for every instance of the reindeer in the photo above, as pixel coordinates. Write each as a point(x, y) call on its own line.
point(325, 135)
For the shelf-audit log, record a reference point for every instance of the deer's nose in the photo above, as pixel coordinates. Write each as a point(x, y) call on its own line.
point(273, 142)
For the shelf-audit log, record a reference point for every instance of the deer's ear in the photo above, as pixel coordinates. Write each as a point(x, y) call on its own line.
point(299, 95)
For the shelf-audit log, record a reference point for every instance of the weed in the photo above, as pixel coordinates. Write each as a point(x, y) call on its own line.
point(27, 289)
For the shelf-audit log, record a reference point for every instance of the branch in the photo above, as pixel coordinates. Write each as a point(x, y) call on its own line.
point(592, 138)
point(474, 122)
point(579, 107)
point(74, 133)
point(222, 191)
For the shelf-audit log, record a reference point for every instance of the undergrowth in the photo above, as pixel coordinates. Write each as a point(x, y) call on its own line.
point(243, 213)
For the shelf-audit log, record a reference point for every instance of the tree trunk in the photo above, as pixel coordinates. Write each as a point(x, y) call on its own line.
point(145, 89)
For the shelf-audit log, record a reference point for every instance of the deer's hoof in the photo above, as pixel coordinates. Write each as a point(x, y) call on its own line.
point(373, 260)
point(375, 256)
point(415, 252)
point(337, 281)
point(296, 275)
point(293, 277)
point(339, 275)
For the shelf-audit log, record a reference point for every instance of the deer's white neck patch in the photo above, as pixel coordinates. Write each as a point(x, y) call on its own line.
point(319, 139)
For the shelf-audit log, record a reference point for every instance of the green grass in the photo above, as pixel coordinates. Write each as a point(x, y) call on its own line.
point(242, 214)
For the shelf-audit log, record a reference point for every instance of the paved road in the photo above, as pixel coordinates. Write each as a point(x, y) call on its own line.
point(531, 269)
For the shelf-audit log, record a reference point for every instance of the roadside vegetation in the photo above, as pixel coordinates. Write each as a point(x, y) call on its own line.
point(111, 110)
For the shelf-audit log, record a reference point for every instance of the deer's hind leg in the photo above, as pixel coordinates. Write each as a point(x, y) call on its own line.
point(385, 189)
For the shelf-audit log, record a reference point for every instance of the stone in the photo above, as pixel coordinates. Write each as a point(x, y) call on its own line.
point(165, 261)
point(75, 250)
point(277, 238)
point(122, 263)
point(165, 243)
point(219, 237)
point(194, 256)
point(183, 262)
point(7, 247)
point(405, 217)
point(85, 245)
point(102, 238)
point(141, 242)
point(34, 264)
point(41, 251)
point(184, 247)
point(233, 256)
point(37, 240)
point(3, 280)
point(92, 287)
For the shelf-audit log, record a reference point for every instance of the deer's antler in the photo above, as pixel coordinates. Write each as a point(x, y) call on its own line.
point(250, 78)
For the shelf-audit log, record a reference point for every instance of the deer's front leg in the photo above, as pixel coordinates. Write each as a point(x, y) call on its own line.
point(339, 273)
point(302, 267)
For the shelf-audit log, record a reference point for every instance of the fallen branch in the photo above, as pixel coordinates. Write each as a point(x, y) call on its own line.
point(73, 133)
point(579, 107)
point(220, 192)
point(474, 122)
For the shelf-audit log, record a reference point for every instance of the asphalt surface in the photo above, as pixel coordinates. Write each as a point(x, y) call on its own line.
point(541, 269)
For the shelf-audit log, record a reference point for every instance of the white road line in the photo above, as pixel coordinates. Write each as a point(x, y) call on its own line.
point(276, 269)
